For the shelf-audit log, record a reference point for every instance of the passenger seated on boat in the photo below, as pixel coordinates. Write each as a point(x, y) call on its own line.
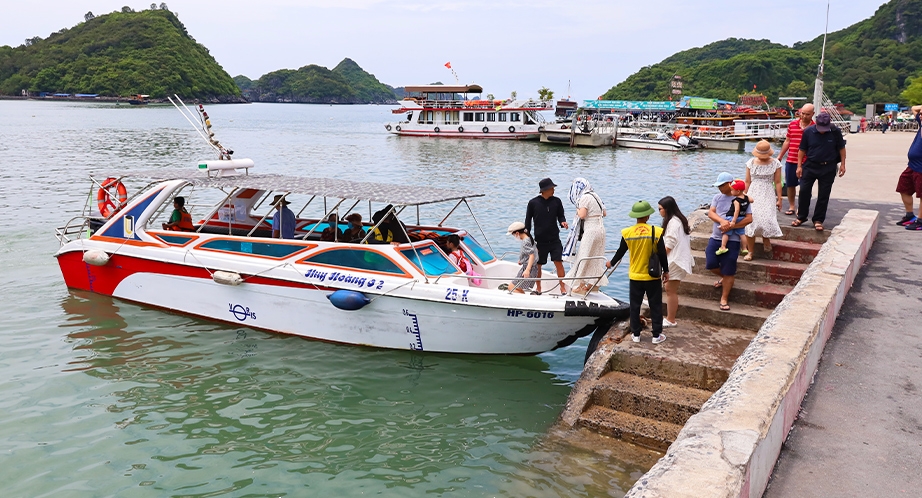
point(180, 220)
point(391, 230)
point(355, 232)
point(332, 233)
point(283, 221)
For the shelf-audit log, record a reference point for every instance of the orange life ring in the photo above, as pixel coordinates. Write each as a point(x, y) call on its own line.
point(104, 198)
point(782, 112)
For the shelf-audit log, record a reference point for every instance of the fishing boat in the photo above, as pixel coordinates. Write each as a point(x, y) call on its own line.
point(582, 130)
point(228, 267)
point(138, 99)
point(458, 111)
point(655, 140)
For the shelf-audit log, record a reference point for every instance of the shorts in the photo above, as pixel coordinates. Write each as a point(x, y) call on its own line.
point(790, 175)
point(676, 273)
point(735, 231)
point(554, 248)
point(910, 182)
point(726, 261)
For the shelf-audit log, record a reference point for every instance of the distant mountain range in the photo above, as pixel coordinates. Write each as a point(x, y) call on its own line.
point(347, 83)
point(871, 61)
point(118, 54)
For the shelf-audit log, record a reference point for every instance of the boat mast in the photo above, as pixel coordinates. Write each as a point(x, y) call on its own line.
point(818, 85)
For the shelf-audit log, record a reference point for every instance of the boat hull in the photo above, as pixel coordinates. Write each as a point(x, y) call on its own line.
point(648, 144)
point(721, 143)
point(473, 134)
point(304, 309)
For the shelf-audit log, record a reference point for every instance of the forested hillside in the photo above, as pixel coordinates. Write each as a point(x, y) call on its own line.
point(871, 61)
point(117, 54)
point(347, 83)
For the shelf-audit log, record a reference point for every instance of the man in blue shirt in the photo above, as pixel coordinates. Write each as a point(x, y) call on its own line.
point(821, 156)
point(283, 221)
point(724, 264)
point(910, 181)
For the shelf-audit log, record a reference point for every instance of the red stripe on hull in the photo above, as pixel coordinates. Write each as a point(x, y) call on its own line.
point(104, 279)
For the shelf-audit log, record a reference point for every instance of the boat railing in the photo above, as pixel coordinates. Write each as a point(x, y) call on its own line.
point(72, 230)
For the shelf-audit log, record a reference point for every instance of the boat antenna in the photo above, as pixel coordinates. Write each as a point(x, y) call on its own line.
point(818, 85)
point(203, 128)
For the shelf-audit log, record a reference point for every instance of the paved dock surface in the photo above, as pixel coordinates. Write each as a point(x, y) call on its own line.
point(860, 429)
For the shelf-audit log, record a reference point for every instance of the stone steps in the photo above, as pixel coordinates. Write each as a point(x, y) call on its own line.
point(630, 428)
point(782, 250)
point(759, 294)
point(759, 270)
point(695, 355)
point(739, 316)
point(648, 398)
point(803, 233)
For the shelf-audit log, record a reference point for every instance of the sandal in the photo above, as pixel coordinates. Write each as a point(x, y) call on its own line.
point(790, 212)
point(747, 257)
point(724, 307)
point(818, 226)
point(722, 250)
point(718, 284)
point(798, 222)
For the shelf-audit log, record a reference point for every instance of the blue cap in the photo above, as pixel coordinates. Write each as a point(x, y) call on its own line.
point(723, 178)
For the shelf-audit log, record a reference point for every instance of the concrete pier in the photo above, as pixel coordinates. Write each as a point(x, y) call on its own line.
point(730, 447)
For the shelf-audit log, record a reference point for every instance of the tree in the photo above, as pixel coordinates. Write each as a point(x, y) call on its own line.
point(153, 6)
point(797, 88)
point(126, 9)
point(88, 16)
point(545, 94)
point(513, 95)
point(163, 6)
point(490, 96)
point(913, 92)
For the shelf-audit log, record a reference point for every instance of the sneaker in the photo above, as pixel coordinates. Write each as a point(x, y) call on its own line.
point(906, 219)
point(661, 338)
point(722, 250)
point(667, 324)
point(636, 338)
point(915, 225)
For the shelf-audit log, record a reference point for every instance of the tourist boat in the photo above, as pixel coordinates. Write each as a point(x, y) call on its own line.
point(654, 140)
point(229, 269)
point(138, 99)
point(457, 111)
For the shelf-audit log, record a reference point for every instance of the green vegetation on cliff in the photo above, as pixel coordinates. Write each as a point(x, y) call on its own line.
point(871, 61)
point(117, 54)
point(347, 83)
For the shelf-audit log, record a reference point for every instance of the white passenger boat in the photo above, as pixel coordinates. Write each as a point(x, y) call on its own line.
point(457, 111)
point(654, 141)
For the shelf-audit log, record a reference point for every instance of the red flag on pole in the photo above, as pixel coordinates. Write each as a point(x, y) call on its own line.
point(448, 65)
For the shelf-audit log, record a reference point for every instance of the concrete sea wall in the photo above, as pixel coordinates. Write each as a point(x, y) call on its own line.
point(730, 447)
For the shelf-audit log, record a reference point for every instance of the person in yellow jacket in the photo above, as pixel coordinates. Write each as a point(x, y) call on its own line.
point(642, 240)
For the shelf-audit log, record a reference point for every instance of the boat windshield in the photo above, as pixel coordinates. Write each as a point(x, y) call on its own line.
point(433, 261)
point(482, 254)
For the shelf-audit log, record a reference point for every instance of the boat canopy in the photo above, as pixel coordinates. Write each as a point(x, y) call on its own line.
point(444, 89)
point(389, 193)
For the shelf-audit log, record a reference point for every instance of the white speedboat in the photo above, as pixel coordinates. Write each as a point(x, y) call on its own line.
point(228, 268)
point(654, 141)
point(583, 130)
point(457, 111)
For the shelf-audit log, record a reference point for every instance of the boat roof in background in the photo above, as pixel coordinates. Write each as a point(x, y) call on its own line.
point(444, 89)
point(389, 193)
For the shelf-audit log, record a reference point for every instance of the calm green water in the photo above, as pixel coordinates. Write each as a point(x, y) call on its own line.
point(104, 398)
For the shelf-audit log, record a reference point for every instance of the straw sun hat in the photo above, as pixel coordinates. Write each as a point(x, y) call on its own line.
point(763, 150)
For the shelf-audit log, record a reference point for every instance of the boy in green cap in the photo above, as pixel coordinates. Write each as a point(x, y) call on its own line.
point(642, 240)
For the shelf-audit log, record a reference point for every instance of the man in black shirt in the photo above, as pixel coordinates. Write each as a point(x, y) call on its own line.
point(547, 211)
point(821, 149)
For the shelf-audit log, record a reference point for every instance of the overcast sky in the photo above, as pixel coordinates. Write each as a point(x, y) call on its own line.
point(501, 45)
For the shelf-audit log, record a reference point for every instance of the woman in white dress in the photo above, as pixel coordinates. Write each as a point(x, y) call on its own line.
point(589, 210)
point(763, 184)
point(678, 249)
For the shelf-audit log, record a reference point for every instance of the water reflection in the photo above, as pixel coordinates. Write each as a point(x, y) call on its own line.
point(213, 400)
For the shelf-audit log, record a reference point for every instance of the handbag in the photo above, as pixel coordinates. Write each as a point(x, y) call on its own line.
point(654, 267)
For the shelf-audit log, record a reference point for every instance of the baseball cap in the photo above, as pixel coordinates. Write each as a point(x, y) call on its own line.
point(738, 185)
point(823, 122)
point(723, 178)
